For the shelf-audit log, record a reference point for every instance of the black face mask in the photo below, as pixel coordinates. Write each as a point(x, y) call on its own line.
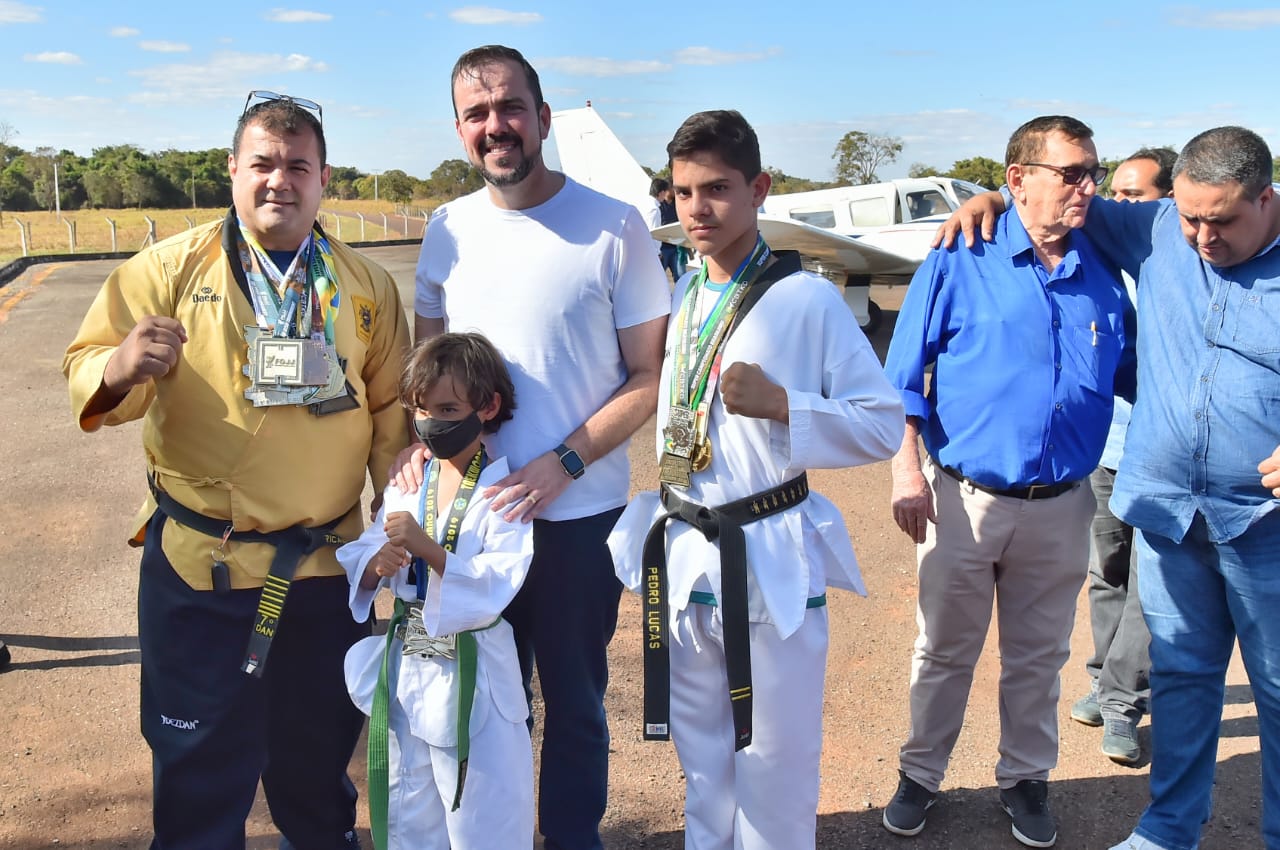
point(447, 437)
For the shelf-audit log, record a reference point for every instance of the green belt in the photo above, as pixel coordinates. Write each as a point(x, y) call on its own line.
point(379, 733)
point(702, 597)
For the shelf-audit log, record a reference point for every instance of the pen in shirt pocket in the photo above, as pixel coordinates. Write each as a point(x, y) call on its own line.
point(1093, 326)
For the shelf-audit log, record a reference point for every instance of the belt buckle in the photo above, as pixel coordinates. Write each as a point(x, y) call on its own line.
point(1031, 490)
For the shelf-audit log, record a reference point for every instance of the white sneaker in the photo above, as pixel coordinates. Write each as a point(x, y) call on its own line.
point(1137, 842)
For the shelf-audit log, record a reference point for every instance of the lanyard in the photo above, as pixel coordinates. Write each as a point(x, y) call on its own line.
point(697, 347)
point(302, 301)
point(453, 522)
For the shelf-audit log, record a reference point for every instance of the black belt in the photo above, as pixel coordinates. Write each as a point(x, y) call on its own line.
point(725, 524)
point(292, 545)
point(1031, 492)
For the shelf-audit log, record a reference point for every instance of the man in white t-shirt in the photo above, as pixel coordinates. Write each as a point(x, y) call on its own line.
point(566, 283)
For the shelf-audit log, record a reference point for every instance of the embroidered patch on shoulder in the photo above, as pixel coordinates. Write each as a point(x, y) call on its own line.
point(364, 318)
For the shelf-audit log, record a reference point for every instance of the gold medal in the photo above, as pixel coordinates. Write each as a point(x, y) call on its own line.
point(701, 458)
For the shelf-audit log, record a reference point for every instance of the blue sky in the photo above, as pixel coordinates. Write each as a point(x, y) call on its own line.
point(951, 79)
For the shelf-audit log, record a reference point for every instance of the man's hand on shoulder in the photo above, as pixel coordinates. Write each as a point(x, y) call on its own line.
point(979, 212)
point(407, 471)
point(149, 351)
point(747, 391)
point(524, 494)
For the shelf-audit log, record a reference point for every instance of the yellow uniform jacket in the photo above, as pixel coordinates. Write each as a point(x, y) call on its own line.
point(262, 468)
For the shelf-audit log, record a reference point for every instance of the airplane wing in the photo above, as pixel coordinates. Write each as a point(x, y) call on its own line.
point(837, 253)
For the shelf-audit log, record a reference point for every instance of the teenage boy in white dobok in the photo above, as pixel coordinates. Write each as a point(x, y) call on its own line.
point(766, 375)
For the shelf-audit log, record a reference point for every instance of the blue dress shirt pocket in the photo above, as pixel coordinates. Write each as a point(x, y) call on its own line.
point(1096, 353)
point(1257, 328)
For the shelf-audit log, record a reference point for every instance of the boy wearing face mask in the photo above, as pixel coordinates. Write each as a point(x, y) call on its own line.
point(443, 686)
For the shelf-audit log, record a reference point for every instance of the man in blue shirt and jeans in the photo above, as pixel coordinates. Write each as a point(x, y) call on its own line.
point(1024, 336)
point(1208, 271)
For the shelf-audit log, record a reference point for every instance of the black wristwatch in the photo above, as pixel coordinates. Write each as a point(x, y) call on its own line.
point(571, 461)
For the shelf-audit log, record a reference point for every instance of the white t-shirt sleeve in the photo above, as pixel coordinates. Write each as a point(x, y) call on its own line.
point(640, 291)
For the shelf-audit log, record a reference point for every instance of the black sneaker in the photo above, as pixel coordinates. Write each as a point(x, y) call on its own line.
point(1086, 710)
point(905, 813)
point(1028, 804)
point(1120, 740)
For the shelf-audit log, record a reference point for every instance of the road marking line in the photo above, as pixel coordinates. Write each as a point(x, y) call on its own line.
point(38, 278)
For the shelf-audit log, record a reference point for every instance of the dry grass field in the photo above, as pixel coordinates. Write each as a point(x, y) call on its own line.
point(46, 234)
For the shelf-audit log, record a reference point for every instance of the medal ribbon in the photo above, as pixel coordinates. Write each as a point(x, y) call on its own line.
point(302, 302)
point(697, 347)
point(466, 649)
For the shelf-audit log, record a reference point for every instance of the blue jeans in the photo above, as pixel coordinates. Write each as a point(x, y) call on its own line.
point(1198, 597)
point(563, 618)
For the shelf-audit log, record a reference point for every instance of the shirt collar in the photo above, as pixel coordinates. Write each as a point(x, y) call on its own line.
point(1013, 235)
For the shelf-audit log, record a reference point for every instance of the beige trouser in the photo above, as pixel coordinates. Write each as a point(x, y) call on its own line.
point(1032, 558)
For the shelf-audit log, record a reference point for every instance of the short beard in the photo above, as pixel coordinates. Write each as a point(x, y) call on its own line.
point(517, 174)
point(510, 178)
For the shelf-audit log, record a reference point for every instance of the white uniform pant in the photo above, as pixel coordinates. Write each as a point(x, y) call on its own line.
point(764, 797)
point(497, 802)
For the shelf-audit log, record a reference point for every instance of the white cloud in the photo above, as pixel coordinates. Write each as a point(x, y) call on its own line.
point(297, 16)
point(1226, 19)
point(487, 15)
point(53, 57)
point(588, 66)
point(227, 74)
point(123, 32)
point(19, 13)
point(710, 56)
point(164, 46)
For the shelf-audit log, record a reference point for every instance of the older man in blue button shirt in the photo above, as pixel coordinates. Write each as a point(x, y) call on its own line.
point(1208, 270)
point(1024, 336)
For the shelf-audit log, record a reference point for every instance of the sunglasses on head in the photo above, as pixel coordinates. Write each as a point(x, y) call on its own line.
point(1072, 175)
point(257, 98)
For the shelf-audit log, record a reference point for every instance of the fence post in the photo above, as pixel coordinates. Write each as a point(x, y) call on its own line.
point(191, 222)
point(22, 235)
point(114, 249)
point(384, 225)
point(406, 225)
point(151, 232)
point(337, 224)
point(361, 226)
point(71, 232)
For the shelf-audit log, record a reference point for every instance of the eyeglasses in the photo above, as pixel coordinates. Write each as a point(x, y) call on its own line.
point(257, 98)
point(1073, 175)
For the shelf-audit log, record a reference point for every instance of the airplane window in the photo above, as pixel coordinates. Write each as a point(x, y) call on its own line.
point(963, 192)
point(816, 217)
point(869, 212)
point(922, 204)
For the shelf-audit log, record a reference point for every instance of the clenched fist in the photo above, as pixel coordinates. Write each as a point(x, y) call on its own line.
point(746, 391)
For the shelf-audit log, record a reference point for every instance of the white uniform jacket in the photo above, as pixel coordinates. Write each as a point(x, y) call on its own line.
point(480, 580)
point(843, 412)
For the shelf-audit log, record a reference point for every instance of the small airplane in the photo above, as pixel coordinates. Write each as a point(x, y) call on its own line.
point(849, 234)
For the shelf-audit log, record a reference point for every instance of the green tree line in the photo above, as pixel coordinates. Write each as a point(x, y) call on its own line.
point(120, 176)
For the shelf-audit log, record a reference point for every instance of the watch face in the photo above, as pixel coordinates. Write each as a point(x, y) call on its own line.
point(572, 464)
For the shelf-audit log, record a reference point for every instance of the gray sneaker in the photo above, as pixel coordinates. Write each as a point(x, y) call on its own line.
point(1028, 804)
point(905, 814)
point(1085, 710)
point(1120, 740)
